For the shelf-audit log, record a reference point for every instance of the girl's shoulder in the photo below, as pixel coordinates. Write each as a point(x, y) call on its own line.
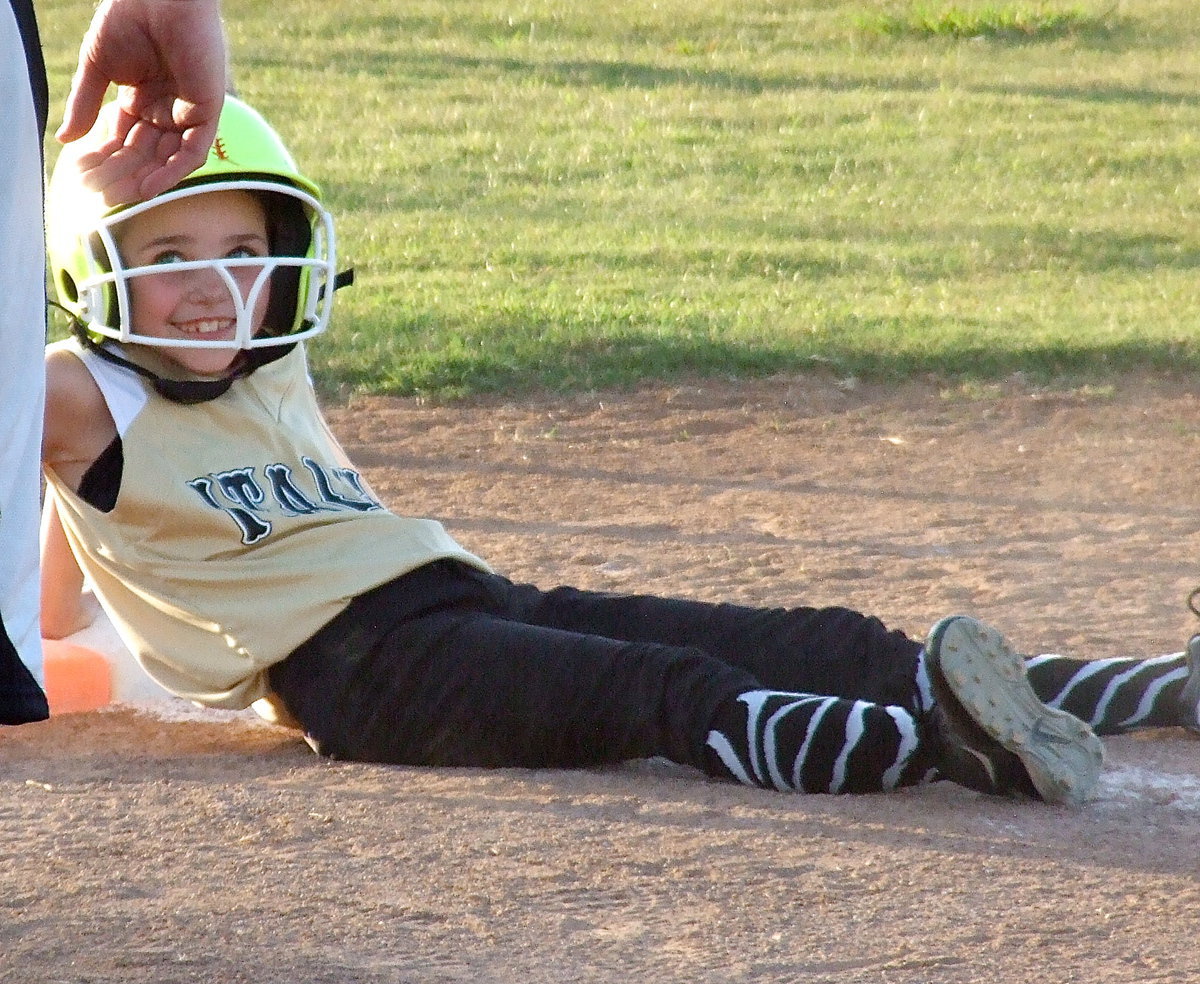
point(78, 424)
point(69, 383)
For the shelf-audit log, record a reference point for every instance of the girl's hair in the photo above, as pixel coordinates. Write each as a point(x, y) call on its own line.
point(289, 233)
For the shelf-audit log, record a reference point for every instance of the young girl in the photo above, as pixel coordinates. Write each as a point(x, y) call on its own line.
point(245, 561)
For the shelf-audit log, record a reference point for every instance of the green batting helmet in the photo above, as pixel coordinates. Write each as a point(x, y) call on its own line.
point(92, 282)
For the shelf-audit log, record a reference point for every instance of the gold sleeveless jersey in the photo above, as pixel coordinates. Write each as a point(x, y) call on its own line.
point(240, 528)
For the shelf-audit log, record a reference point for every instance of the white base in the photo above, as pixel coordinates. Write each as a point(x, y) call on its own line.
point(130, 683)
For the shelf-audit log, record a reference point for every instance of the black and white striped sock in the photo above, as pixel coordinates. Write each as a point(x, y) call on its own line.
point(1112, 695)
point(816, 744)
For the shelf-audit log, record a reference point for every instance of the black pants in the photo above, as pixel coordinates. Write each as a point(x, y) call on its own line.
point(451, 666)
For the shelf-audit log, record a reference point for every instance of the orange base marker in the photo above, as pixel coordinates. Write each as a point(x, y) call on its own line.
point(77, 678)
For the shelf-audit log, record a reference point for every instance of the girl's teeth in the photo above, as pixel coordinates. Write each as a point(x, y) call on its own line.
point(204, 327)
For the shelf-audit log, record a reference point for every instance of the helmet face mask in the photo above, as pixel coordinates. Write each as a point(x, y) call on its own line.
point(93, 281)
point(301, 286)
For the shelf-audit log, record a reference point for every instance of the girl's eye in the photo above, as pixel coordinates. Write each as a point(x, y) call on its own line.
point(242, 253)
point(166, 257)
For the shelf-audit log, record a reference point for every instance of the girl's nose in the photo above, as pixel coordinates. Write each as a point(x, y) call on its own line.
point(206, 286)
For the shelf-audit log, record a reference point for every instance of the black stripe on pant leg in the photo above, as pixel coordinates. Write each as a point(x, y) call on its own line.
point(27, 25)
point(21, 699)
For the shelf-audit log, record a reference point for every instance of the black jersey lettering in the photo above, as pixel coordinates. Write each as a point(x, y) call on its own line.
point(252, 526)
point(325, 485)
point(239, 494)
point(287, 493)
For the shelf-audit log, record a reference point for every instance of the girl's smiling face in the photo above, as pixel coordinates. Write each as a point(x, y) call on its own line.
point(197, 303)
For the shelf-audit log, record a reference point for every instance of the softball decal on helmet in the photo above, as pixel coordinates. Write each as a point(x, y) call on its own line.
point(92, 280)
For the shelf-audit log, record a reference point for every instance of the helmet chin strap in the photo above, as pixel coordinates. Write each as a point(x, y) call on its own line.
point(191, 391)
point(187, 391)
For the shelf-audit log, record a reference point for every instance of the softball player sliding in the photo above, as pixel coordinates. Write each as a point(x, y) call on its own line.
point(245, 561)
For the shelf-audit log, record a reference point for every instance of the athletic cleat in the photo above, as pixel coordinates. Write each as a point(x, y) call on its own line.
point(997, 736)
point(1189, 696)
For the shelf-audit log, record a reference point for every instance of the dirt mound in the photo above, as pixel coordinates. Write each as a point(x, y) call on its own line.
point(143, 848)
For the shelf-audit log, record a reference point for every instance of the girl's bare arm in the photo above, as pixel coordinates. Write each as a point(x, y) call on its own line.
point(78, 427)
point(65, 608)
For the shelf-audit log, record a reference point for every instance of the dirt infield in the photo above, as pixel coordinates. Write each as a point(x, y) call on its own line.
point(162, 847)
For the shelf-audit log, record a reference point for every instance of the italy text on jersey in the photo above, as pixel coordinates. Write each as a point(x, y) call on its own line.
point(251, 501)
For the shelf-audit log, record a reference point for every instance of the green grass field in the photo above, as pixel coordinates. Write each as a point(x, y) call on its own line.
point(550, 194)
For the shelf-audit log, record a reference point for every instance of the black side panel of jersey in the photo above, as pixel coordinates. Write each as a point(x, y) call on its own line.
point(102, 481)
point(23, 9)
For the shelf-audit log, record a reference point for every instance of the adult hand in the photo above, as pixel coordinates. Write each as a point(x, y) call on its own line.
point(168, 58)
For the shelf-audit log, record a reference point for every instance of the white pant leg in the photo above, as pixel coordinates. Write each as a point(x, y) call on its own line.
point(22, 340)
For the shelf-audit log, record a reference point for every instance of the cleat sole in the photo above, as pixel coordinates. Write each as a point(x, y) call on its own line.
point(1062, 754)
